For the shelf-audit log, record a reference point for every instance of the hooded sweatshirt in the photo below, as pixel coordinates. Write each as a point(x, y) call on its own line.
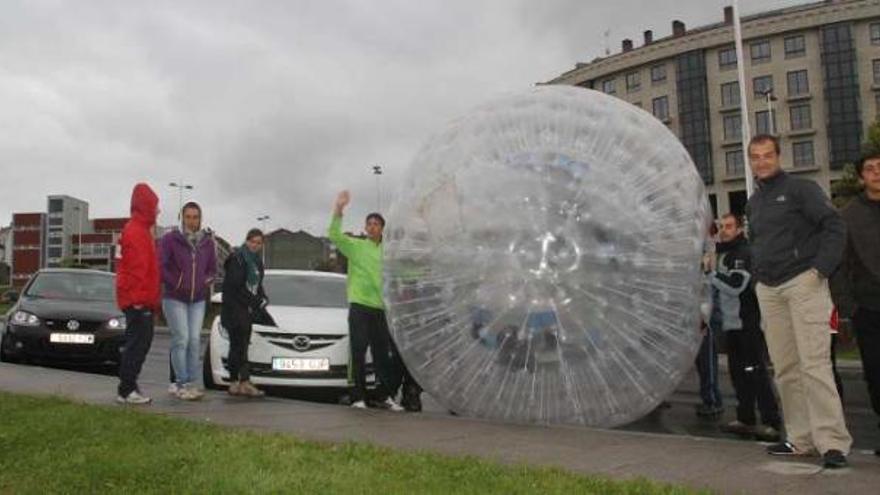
point(188, 264)
point(137, 270)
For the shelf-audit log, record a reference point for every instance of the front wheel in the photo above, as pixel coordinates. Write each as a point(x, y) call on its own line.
point(5, 356)
point(207, 376)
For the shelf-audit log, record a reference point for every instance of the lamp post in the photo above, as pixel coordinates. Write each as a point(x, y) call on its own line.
point(180, 187)
point(377, 171)
point(771, 124)
point(79, 237)
point(743, 98)
point(262, 219)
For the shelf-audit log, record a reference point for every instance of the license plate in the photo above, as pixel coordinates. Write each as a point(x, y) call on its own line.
point(300, 364)
point(72, 338)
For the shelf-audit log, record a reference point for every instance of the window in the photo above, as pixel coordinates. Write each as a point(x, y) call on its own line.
point(801, 118)
point(56, 221)
point(763, 124)
point(660, 107)
point(803, 154)
point(734, 163)
point(732, 127)
point(658, 73)
point(760, 51)
point(608, 87)
point(762, 85)
point(56, 206)
point(633, 82)
point(55, 252)
point(877, 103)
point(875, 33)
point(795, 46)
point(56, 241)
point(798, 83)
point(730, 94)
point(727, 58)
point(877, 71)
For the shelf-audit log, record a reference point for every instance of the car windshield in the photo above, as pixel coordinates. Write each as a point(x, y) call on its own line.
point(73, 286)
point(309, 291)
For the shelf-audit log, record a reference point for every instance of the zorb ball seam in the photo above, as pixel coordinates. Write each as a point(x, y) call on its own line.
point(542, 262)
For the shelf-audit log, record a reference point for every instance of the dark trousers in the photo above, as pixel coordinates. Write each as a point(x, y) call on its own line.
point(237, 360)
point(707, 369)
point(746, 358)
point(367, 327)
point(866, 324)
point(138, 338)
point(401, 378)
point(838, 382)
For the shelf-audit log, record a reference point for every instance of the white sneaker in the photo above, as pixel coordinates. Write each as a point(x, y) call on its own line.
point(134, 399)
point(173, 389)
point(359, 404)
point(188, 392)
point(391, 405)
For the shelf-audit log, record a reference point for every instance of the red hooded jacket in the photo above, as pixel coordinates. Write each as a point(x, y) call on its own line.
point(137, 271)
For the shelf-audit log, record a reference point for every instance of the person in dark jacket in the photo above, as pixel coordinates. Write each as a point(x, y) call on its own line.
point(244, 300)
point(740, 319)
point(859, 273)
point(797, 241)
point(137, 290)
point(706, 361)
point(189, 264)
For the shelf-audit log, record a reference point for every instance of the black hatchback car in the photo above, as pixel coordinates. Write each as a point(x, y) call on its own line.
point(65, 315)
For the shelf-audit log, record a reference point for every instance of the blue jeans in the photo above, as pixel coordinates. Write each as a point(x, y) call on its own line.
point(185, 322)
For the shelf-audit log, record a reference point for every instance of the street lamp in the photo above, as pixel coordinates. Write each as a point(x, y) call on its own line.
point(262, 219)
point(79, 237)
point(771, 125)
point(180, 187)
point(377, 171)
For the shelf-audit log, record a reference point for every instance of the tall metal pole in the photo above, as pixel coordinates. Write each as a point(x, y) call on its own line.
point(180, 187)
point(79, 237)
point(262, 219)
point(377, 171)
point(743, 99)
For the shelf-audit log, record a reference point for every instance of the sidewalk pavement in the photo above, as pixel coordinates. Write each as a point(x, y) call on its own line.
point(723, 466)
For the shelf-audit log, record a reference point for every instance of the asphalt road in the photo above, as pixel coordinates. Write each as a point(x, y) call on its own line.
point(677, 419)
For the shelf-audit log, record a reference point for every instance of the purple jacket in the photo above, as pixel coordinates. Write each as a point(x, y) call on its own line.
point(187, 272)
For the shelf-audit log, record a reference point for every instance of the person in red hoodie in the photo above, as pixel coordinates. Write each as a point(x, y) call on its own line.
point(137, 290)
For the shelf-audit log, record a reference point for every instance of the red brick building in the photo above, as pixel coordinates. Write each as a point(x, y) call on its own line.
point(28, 245)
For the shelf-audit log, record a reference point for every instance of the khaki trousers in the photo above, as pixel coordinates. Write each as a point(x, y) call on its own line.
point(796, 319)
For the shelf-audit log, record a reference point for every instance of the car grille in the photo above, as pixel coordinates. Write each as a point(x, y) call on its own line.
point(60, 325)
point(301, 342)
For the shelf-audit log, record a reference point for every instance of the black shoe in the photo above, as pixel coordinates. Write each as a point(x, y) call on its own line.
point(783, 448)
point(707, 411)
point(877, 452)
point(412, 402)
point(834, 459)
point(737, 427)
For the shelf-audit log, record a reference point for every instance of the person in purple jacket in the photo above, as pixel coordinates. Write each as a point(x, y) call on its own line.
point(188, 261)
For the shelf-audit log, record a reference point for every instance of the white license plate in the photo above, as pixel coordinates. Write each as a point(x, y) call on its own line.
point(72, 338)
point(300, 364)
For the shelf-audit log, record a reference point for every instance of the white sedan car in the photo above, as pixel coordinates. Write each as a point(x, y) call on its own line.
point(308, 348)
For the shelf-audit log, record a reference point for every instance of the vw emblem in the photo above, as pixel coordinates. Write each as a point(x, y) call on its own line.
point(302, 342)
point(73, 325)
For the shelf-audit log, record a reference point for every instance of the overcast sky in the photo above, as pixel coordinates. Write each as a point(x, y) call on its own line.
point(270, 107)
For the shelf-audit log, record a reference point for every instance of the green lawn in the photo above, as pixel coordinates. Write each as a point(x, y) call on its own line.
point(51, 445)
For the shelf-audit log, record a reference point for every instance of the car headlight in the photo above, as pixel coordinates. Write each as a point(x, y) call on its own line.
point(117, 323)
point(25, 319)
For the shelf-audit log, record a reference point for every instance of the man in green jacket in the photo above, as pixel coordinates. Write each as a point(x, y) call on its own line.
point(367, 326)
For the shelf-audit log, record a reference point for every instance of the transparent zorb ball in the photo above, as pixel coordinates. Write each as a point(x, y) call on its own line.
point(542, 261)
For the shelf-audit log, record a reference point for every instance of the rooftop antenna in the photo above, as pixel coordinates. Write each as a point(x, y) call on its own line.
point(607, 35)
